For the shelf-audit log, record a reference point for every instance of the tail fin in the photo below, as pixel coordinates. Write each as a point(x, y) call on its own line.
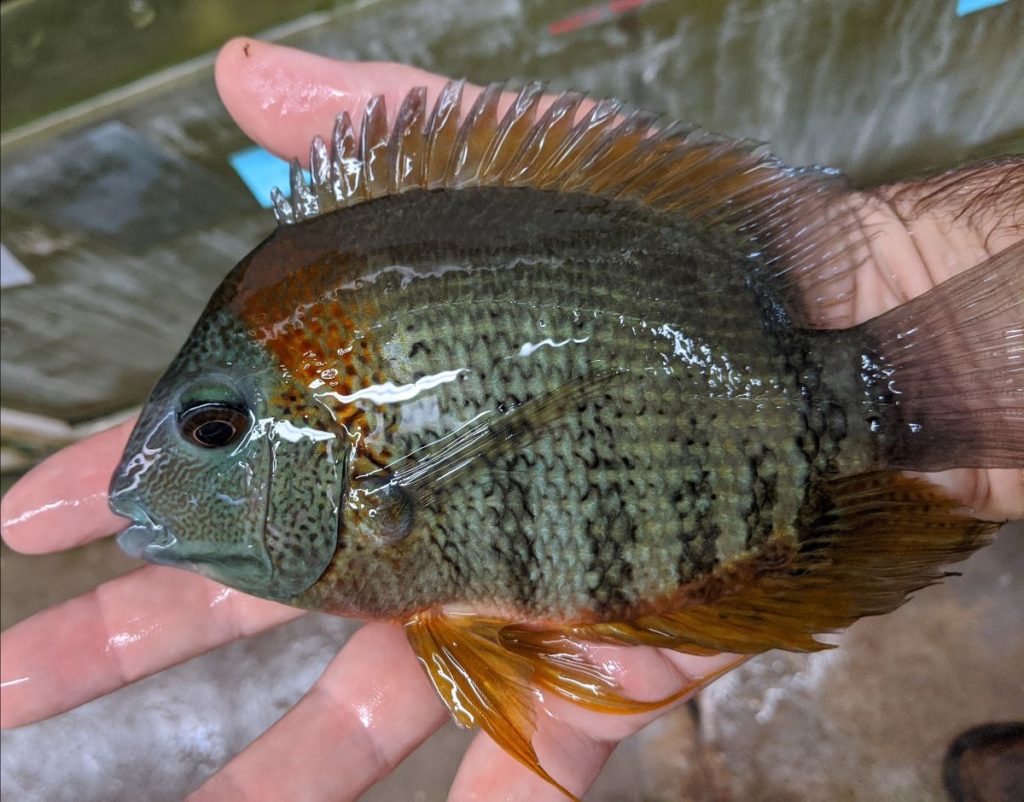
point(951, 370)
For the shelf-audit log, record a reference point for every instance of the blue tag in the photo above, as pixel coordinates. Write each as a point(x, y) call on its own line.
point(965, 7)
point(12, 272)
point(262, 171)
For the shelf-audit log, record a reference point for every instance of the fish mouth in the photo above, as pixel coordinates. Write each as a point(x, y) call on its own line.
point(145, 542)
point(144, 538)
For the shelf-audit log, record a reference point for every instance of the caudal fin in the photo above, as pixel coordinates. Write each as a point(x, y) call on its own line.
point(950, 372)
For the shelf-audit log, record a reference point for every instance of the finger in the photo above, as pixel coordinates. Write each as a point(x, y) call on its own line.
point(124, 630)
point(371, 707)
point(995, 494)
point(283, 97)
point(62, 502)
point(489, 773)
point(573, 742)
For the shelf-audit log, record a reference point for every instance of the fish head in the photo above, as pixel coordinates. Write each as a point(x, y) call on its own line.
point(228, 472)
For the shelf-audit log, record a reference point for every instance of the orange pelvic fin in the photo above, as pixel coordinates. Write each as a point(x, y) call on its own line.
point(482, 683)
point(486, 670)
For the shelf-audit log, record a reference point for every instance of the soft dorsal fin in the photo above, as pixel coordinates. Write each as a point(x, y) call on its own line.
point(797, 226)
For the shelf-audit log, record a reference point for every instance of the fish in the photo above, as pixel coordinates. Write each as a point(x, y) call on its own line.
point(566, 374)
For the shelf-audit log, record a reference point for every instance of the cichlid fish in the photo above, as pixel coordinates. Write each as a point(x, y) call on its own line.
point(528, 382)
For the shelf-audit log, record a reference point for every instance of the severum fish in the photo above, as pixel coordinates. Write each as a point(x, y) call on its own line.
point(564, 377)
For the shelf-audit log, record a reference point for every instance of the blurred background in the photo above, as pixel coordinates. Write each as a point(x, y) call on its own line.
point(121, 210)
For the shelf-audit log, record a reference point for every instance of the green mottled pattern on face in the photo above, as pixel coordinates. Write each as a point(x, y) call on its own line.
point(260, 515)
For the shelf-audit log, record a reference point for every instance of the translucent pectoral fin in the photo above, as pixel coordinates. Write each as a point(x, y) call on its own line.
point(479, 445)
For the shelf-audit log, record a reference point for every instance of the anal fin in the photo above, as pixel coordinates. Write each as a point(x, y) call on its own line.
point(877, 538)
point(871, 540)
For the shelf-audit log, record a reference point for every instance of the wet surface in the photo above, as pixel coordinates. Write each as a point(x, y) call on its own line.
point(877, 89)
point(870, 720)
point(881, 90)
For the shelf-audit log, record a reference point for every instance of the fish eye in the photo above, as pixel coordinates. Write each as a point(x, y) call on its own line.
point(213, 424)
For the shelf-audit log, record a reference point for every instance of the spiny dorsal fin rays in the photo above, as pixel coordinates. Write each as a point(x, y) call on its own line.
point(544, 139)
point(441, 132)
point(373, 149)
point(512, 129)
point(798, 227)
point(345, 163)
point(470, 148)
point(407, 139)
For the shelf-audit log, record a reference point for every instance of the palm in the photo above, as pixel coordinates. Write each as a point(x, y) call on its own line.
point(328, 746)
point(156, 617)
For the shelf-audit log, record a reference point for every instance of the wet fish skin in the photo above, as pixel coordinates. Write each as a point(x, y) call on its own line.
point(699, 450)
point(529, 383)
point(235, 497)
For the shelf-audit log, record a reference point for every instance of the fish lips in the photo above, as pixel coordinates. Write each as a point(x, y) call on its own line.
point(144, 542)
point(148, 540)
point(143, 539)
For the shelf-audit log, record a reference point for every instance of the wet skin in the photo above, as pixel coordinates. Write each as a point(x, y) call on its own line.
point(361, 719)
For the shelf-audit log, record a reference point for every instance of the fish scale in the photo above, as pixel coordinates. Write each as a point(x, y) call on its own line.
point(563, 379)
point(458, 329)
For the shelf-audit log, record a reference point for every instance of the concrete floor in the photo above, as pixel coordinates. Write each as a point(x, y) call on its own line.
point(869, 721)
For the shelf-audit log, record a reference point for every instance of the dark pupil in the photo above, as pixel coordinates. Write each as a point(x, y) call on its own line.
point(213, 425)
point(215, 433)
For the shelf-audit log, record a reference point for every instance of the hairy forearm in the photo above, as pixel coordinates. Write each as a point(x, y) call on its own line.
point(924, 231)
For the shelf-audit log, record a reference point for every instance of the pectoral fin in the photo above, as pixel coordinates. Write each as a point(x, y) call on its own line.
point(494, 435)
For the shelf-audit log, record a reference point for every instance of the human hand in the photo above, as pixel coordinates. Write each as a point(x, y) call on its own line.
point(371, 707)
point(359, 719)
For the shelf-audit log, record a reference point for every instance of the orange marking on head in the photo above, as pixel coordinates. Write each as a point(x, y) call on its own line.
point(309, 324)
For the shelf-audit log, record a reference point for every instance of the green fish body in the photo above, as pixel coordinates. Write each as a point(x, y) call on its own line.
point(639, 432)
point(562, 377)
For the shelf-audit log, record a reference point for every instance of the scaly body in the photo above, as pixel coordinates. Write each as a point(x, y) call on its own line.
point(701, 443)
point(529, 383)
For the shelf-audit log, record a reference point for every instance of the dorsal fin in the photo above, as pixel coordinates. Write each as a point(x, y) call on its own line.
point(798, 226)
